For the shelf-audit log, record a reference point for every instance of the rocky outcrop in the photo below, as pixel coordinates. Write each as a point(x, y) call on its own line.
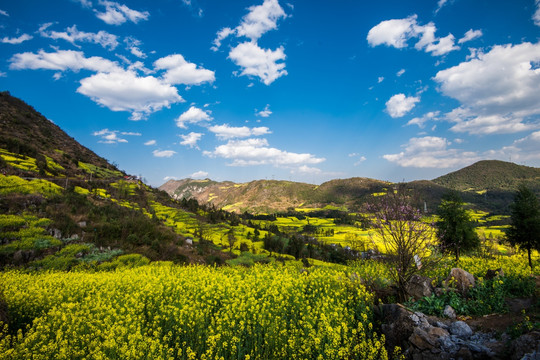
point(461, 280)
point(428, 338)
point(419, 287)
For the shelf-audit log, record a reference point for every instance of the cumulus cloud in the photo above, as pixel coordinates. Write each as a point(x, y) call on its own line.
point(191, 139)
point(199, 175)
point(61, 60)
point(440, 5)
point(111, 136)
point(470, 35)
point(536, 16)
point(73, 35)
point(132, 45)
point(397, 32)
point(431, 152)
point(254, 60)
point(400, 72)
point(117, 14)
point(399, 105)
point(498, 90)
point(229, 132)
point(259, 62)
point(150, 142)
point(192, 116)
point(126, 91)
point(524, 149)
point(17, 40)
point(258, 152)
point(259, 20)
point(264, 113)
point(163, 153)
point(179, 71)
point(420, 121)
point(4, 13)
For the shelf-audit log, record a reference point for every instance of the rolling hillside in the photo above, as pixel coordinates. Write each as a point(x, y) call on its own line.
point(487, 185)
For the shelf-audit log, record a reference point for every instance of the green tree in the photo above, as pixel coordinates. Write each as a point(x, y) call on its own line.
point(455, 228)
point(524, 229)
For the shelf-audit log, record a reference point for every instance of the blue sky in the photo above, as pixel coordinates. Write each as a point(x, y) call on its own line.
point(270, 89)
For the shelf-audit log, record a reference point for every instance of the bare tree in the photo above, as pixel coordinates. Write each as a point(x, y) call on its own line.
point(406, 237)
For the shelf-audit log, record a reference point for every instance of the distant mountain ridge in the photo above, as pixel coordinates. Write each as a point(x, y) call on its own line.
point(487, 184)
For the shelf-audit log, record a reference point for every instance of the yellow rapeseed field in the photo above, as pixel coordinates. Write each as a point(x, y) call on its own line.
point(163, 311)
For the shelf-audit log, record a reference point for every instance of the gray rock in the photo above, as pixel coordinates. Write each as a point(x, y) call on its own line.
point(460, 329)
point(449, 312)
point(419, 287)
point(461, 280)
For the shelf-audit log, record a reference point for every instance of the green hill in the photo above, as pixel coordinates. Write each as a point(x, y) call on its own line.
point(491, 175)
point(63, 206)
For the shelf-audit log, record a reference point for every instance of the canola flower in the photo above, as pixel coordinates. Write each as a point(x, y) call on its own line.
point(163, 311)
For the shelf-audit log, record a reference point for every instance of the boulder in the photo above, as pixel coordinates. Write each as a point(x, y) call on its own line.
point(460, 329)
point(461, 280)
point(491, 274)
point(526, 346)
point(419, 287)
point(449, 312)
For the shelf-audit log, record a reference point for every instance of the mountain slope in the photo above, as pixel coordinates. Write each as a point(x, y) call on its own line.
point(62, 206)
point(274, 195)
point(490, 175)
point(36, 144)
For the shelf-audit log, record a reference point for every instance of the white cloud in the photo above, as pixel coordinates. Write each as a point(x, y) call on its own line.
point(536, 16)
point(420, 121)
point(192, 116)
point(163, 153)
point(61, 60)
point(257, 152)
point(260, 19)
point(360, 160)
point(111, 136)
point(440, 5)
point(304, 169)
point(117, 14)
point(380, 79)
point(199, 175)
point(221, 35)
point(254, 60)
point(264, 113)
point(150, 142)
point(400, 72)
point(17, 40)
point(167, 178)
point(431, 152)
point(399, 105)
point(524, 149)
point(397, 32)
point(191, 139)
point(498, 90)
point(126, 91)
point(262, 63)
point(179, 71)
point(229, 132)
point(132, 45)
point(470, 35)
point(4, 13)
point(84, 3)
point(73, 35)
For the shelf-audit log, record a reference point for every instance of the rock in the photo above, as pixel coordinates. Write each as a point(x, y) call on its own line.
point(491, 274)
point(460, 329)
point(464, 353)
point(449, 312)
point(397, 325)
point(461, 280)
point(525, 345)
point(419, 287)
point(82, 224)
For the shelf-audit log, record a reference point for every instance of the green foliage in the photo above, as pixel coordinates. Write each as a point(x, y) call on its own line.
point(249, 259)
point(16, 185)
point(455, 229)
point(524, 229)
point(99, 172)
point(124, 261)
point(25, 232)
